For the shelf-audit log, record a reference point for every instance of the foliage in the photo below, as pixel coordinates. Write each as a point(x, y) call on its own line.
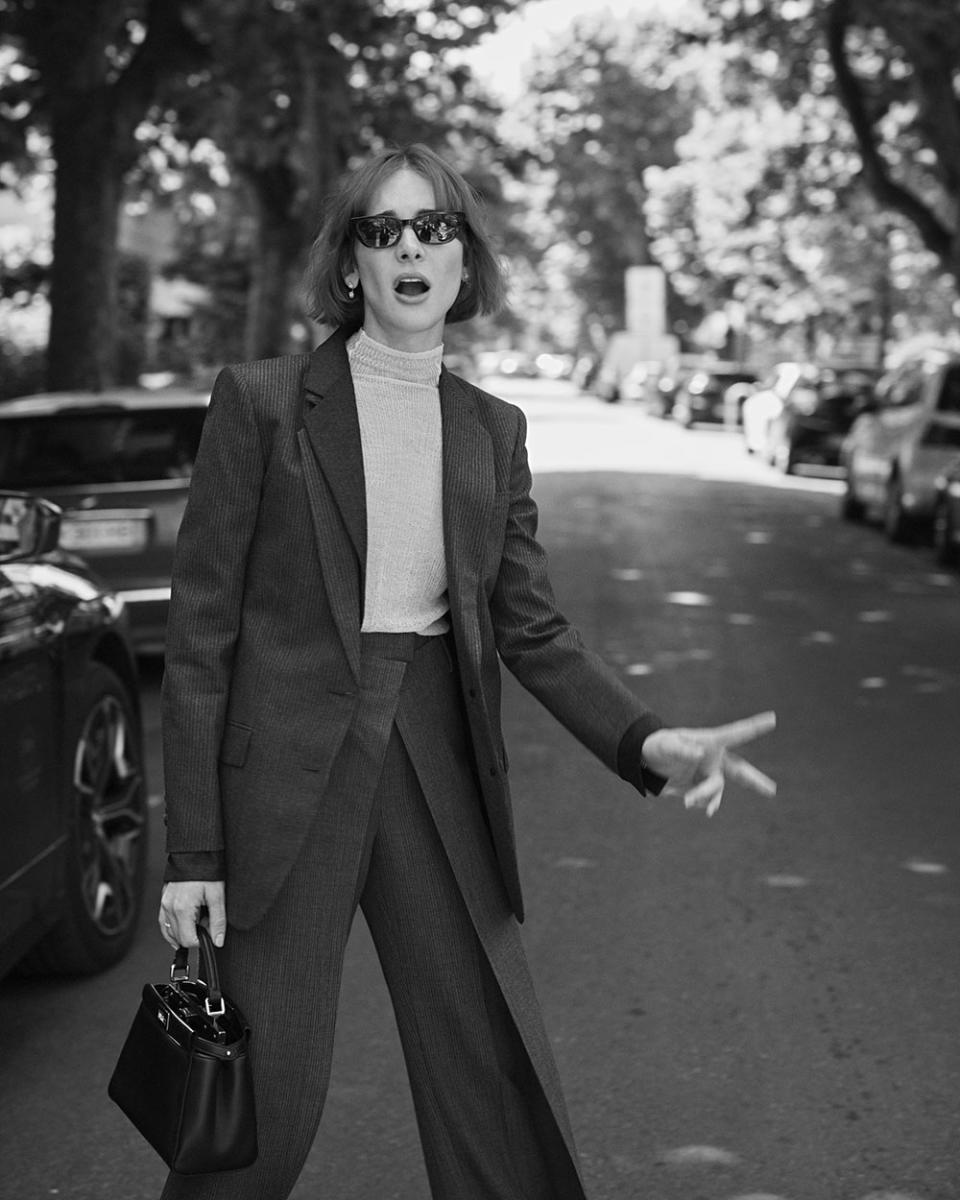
point(605, 104)
point(287, 91)
point(319, 84)
point(794, 165)
point(78, 79)
point(894, 66)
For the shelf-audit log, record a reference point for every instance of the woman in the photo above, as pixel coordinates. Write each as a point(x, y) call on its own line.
point(357, 556)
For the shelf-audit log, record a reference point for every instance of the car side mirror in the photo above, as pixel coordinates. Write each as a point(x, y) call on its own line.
point(29, 526)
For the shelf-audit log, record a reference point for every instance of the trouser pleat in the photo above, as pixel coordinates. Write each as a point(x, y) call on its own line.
point(400, 831)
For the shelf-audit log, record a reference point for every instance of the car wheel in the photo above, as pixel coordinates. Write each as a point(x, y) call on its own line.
point(784, 456)
point(851, 507)
point(944, 544)
point(106, 858)
point(896, 523)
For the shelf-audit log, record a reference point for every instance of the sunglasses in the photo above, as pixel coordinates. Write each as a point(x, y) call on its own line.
point(431, 228)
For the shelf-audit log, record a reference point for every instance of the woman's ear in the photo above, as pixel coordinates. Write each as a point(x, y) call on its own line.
point(352, 279)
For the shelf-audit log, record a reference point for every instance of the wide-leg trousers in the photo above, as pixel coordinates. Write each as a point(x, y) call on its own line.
point(400, 831)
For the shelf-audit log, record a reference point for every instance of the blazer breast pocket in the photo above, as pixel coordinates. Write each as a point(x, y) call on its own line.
point(235, 743)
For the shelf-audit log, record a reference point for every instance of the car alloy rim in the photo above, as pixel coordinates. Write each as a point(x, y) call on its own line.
point(107, 789)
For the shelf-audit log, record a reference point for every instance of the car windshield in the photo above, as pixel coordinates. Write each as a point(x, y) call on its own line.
point(79, 449)
point(842, 389)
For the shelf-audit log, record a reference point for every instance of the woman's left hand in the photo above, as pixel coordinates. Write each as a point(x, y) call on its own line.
point(698, 762)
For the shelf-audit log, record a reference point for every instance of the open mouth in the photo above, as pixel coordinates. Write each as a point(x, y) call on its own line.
point(412, 286)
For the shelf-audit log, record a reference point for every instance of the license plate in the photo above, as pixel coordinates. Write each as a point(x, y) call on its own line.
point(122, 535)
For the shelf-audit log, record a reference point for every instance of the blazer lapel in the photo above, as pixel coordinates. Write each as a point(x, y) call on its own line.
point(468, 487)
point(331, 421)
point(330, 441)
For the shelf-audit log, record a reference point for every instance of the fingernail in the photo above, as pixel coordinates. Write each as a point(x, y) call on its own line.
point(218, 940)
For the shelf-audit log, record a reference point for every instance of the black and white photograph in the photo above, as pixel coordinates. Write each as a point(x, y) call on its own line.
point(480, 599)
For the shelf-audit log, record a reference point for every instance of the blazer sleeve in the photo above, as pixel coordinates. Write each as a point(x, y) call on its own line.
point(205, 606)
point(547, 654)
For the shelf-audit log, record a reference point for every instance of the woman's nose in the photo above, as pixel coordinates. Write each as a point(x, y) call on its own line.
point(409, 245)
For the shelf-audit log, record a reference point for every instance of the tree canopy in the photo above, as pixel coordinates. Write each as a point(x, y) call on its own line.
point(287, 90)
point(793, 166)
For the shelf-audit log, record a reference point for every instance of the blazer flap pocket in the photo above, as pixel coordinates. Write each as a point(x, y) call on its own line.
point(233, 747)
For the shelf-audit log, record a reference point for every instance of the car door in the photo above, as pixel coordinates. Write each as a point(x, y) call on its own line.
point(30, 754)
point(937, 439)
point(879, 435)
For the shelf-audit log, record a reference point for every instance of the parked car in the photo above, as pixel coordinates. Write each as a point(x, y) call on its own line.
point(803, 411)
point(639, 385)
point(701, 394)
point(896, 450)
point(119, 464)
point(72, 793)
point(665, 383)
point(946, 515)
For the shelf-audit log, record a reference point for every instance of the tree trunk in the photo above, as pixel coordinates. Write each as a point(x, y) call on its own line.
point(277, 272)
point(83, 280)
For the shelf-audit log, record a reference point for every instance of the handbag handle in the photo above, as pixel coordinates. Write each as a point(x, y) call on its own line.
point(206, 970)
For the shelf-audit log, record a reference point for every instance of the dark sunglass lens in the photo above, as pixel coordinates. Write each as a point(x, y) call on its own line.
point(377, 232)
point(436, 228)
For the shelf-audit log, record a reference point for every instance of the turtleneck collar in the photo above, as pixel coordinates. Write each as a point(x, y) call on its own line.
point(373, 359)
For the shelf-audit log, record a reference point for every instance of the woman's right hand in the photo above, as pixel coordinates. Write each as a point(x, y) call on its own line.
point(181, 905)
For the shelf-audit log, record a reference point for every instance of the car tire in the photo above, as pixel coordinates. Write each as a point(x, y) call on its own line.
point(851, 508)
point(896, 523)
point(944, 543)
point(784, 456)
point(106, 849)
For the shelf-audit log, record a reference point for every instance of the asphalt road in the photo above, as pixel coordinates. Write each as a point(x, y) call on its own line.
point(761, 1006)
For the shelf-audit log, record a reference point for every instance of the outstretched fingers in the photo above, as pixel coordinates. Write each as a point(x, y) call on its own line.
point(707, 794)
point(745, 773)
point(745, 730)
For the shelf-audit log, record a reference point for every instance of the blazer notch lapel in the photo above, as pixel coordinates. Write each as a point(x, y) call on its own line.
point(330, 419)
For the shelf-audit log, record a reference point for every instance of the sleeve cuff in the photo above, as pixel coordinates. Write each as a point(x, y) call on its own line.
point(630, 764)
point(187, 865)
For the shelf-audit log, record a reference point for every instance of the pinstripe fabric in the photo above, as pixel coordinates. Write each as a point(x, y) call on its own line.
point(262, 664)
point(400, 830)
point(275, 731)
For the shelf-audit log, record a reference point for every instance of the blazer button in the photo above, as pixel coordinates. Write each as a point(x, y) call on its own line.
point(493, 771)
point(472, 693)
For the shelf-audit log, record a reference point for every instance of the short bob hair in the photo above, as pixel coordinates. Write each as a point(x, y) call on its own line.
point(332, 256)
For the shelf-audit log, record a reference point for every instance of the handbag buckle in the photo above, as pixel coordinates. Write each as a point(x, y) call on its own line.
point(180, 967)
point(215, 1012)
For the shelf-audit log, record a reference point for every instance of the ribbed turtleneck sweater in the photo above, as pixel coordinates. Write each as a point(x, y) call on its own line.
point(398, 404)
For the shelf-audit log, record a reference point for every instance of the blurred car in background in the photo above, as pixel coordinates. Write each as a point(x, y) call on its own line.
point(639, 385)
point(802, 412)
point(701, 394)
point(897, 449)
point(119, 464)
point(516, 364)
point(946, 515)
point(554, 366)
point(73, 800)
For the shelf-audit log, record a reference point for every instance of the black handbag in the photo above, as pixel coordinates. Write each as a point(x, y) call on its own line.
point(183, 1076)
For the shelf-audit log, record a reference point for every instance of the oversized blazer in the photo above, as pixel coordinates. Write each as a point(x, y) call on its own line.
point(262, 672)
